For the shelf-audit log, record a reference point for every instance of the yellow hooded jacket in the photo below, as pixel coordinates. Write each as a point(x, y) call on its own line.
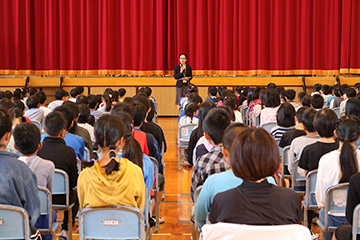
point(124, 187)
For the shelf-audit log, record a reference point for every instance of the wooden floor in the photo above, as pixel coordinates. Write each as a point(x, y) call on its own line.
point(177, 203)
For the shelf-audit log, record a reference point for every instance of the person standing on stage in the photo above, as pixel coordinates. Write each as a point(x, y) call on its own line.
point(183, 75)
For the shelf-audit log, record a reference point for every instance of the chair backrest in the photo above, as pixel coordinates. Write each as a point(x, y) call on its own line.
point(257, 121)
point(355, 224)
point(284, 159)
point(335, 201)
point(87, 154)
point(61, 186)
point(268, 126)
point(245, 115)
point(337, 111)
point(184, 132)
point(251, 118)
point(295, 174)
point(45, 205)
point(280, 148)
point(310, 187)
point(112, 222)
point(14, 223)
point(37, 123)
point(230, 231)
point(197, 193)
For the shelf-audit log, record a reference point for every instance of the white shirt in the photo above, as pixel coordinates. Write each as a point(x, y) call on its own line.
point(342, 107)
point(329, 173)
point(55, 104)
point(89, 128)
point(186, 120)
point(46, 110)
point(268, 115)
point(238, 116)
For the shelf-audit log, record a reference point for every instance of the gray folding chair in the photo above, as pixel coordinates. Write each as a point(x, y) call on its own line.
point(46, 210)
point(245, 116)
point(268, 126)
point(61, 187)
point(112, 222)
point(284, 163)
point(355, 224)
point(14, 223)
point(337, 111)
point(156, 191)
point(296, 177)
point(332, 206)
point(87, 155)
point(184, 133)
point(257, 121)
point(310, 193)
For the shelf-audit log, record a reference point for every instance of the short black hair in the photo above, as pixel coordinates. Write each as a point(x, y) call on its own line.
point(212, 90)
point(5, 122)
point(350, 92)
point(271, 86)
point(357, 86)
point(42, 96)
point(84, 113)
point(73, 93)
point(271, 98)
point(82, 99)
point(325, 122)
point(8, 94)
point(123, 107)
point(195, 98)
point(93, 100)
point(17, 94)
point(60, 93)
point(306, 101)
point(215, 123)
point(146, 90)
point(139, 114)
point(55, 122)
point(301, 95)
point(336, 90)
point(33, 91)
point(231, 101)
point(308, 119)
point(326, 89)
point(285, 116)
point(300, 112)
point(32, 102)
point(6, 104)
point(191, 88)
point(342, 88)
point(68, 115)
point(27, 138)
point(19, 104)
point(122, 92)
point(142, 99)
point(352, 107)
point(183, 54)
point(317, 87)
point(290, 94)
point(317, 101)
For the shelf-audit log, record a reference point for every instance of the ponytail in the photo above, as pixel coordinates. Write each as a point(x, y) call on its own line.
point(113, 165)
point(132, 151)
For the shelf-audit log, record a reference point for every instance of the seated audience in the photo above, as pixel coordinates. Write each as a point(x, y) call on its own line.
point(191, 110)
point(271, 103)
point(290, 95)
point(317, 89)
point(83, 120)
point(306, 101)
point(42, 98)
point(34, 113)
point(326, 91)
point(54, 149)
point(231, 102)
point(60, 96)
point(254, 156)
point(335, 103)
point(122, 92)
point(212, 93)
point(317, 102)
point(93, 105)
point(215, 123)
point(285, 119)
point(290, 135)
point(348, 93)
point(338, 166)
point(193, 98)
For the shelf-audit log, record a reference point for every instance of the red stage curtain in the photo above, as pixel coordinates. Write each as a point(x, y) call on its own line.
point(145, 37)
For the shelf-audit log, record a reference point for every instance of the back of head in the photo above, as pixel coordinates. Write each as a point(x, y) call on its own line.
point(19, 104)
point(67, 114)
point(357, 86)
point(42, 96)
point(152, 112)
point(231, 132)
point(17, 94)
point(8, 94)
point(301, 95)
point(307, 119)
point(143, 100)
point(33, 91)
point(204, 108)
point(93, 101)
point(190, 109)
point(146, 90)
point(32, 102)
point(306, 101)
point(290, 94)
point(80, 89)
point(82, 99)
point(271, 98)
point(27, 138)
point(73, 93)
point(195, 98)
point(317, 87)
point(191, 88)
point(279, 89)
point(283, 96)
point(271, 86)
point(108, 98)
point(350, 92)
point(60, 93)
point(254, 154)
point(55, 122)
point(342, 88)
point(221, 89)
point(215, 123)
point(231, 102)
point(317, 101)
point(352, 107)
point(299, 113)
point(84, 113)
point(123, 107)
point(348, 132)
point(285, 116)
point(122, 92)
point(139, 114)
point(5, 122)
point(212, 90)
point(6, 104)
point(325, 122)
point(72, 108)
point(326, 89)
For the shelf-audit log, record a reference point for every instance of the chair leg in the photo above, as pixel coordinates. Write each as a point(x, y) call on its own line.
point(322, 236)
point(305, 217)
point(70, 224)
point(156, 230)
point(179, 158)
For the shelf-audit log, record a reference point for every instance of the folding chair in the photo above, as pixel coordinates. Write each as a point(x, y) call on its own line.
point(268, 126)
point(184, 133)
point(156, 191)
point(284, 164)
point(37, 123)
point(61, 187)
point(112, 222)
point(332, 206)
point(147, 211)
point(337, 111)
point(355, 224)
point(245, 116)
point(87, 154)
point(309, 191)
point(197, 193)
point(46, 210)
point(231, 231)
point(280, 148)
point(257, 121)
point(14, 223)
point(296, 177)
point(251, 119)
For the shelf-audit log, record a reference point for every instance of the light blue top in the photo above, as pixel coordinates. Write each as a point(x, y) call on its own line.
point(213, 185)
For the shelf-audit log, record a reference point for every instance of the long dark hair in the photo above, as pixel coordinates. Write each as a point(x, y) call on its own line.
point(204, 108)
point(108, 98)
point(348, 131)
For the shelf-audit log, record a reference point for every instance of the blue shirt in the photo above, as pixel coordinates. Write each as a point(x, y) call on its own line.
point(73, 141)
point(213, 185)
point(18, 185)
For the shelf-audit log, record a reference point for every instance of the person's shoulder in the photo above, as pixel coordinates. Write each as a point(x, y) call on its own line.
point(355, 179)
point(129, 166)
point(47, 163)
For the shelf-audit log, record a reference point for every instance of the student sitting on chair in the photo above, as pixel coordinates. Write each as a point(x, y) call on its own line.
point(298, 131)
point(60, 96)
point(317, 102)
point(34, 113)
point(271, 102)
point(285, 118)
point(191, 110)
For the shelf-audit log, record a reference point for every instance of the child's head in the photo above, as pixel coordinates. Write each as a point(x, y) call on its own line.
point(143, 100)
point(254, 154)
point(75, 92)
point(336, 90)
point(352, 107)
point(146, 90)
point(82, 99)
point(33, 102)
point(17, 94)
point(221, 89)
point(317, 87)
point(108, 97)
point(6, 104)
point(326, 89)
point(290, 94)
point(301, 95)
point(299, 114)
point(42, 97)
point(139, 114)
point(348, 132)
point(357, 87)
point(27, 138)
point(317, 101)
point(212, 91)
point(122, 92)
point(271, 86)
point(231, 102)
point(61, 94)
point(271, 98)
point(195, 98)
point(123, 107)
point(215, 123)
point(93, 101)
point(84, 114)
point(191, 109)
point(109, 132)
point(285, 116)
point(349, 93)
point(56, 124)
point(306, 101)
point(8, 95)
point(342, 88)
point(307, 120)
point(33, 91)
point(5, 128)
point(191, 88)
point(230, 134)
point(325, 122)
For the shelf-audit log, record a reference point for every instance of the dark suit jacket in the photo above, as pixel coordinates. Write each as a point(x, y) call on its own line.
point(178, 75)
